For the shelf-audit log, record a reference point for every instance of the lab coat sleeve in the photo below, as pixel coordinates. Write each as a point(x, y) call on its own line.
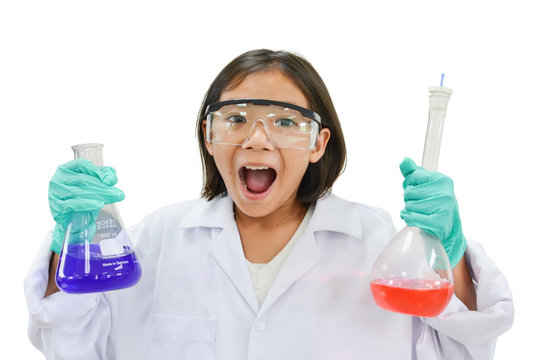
point(64, 326)
point(458, 333)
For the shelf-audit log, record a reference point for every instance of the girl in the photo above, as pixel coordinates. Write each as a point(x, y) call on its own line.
point(269, 264)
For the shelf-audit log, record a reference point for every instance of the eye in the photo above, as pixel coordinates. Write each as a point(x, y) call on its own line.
point(285, 123)
point(237, 119)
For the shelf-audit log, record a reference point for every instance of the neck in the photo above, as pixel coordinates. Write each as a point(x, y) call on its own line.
point(290, 212)
point(265, 236)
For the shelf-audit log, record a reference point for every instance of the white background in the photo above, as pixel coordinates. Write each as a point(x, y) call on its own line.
point(132, 74)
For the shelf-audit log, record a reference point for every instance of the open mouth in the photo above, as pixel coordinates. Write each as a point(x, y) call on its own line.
point(257, 179)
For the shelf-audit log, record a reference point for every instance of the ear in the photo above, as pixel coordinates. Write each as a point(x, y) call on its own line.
point(320, 145)
point(206, 143)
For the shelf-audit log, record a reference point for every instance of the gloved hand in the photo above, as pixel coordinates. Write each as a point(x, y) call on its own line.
point(430, 205)
point(77, 186)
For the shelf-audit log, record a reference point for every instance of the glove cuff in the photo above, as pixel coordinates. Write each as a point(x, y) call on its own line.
point(57, 239)
point(456, 252)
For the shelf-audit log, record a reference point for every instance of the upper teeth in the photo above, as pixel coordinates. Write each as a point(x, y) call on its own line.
point(256, 167)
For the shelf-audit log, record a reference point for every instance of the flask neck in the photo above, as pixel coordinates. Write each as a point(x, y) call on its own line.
point(438, 103)
point(91, 152)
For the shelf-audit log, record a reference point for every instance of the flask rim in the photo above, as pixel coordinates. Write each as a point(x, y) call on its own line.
point(87, 146)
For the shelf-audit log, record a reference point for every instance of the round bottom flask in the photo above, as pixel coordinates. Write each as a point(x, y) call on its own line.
point(412, 275)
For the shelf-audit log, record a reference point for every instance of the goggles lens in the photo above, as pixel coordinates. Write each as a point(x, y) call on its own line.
point(285, 124)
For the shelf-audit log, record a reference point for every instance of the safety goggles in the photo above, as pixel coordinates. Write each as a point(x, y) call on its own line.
point(287, 126)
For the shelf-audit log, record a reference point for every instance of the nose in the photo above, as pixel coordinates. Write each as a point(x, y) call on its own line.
point(259, 137)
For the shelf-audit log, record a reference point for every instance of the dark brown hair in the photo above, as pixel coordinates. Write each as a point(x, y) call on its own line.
point(319, 176)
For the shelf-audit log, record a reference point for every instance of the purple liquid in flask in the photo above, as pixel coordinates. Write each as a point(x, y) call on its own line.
point(79, 274)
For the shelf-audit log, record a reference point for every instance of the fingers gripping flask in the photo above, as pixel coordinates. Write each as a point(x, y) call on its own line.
point(412, 275)
point(97, 254)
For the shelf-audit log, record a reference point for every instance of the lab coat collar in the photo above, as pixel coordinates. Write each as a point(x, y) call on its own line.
point(332, 213)
point(228, 251)
point(214, 214)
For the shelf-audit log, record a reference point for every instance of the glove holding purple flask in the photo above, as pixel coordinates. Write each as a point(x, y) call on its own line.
point(95, 250)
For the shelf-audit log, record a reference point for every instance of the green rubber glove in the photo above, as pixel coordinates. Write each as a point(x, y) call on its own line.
point(80, 186)
point(430, 204)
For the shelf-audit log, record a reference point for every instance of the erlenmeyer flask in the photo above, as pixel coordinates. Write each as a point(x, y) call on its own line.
point(97, 254)
point(412, 275)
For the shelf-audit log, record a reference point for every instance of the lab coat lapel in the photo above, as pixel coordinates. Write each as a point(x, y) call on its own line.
point(304, 255)
point(226, 246)
point(228, 252)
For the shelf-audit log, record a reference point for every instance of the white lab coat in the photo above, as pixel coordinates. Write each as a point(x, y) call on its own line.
point(195, 299)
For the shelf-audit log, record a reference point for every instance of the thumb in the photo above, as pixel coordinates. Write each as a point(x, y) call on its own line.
point(407, 166)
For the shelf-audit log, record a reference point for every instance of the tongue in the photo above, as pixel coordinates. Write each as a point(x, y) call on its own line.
point(259, 180)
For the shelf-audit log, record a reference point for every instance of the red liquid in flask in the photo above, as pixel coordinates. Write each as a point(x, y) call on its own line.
point(426, 298)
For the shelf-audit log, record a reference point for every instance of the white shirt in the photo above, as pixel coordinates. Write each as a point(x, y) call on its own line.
point(196, 300)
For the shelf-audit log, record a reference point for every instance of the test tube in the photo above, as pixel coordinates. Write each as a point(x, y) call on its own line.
point(438, 103)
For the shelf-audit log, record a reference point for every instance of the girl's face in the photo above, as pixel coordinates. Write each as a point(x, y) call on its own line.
point(260, 178)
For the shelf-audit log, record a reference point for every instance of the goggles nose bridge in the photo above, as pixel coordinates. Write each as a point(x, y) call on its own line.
point(253, 128)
